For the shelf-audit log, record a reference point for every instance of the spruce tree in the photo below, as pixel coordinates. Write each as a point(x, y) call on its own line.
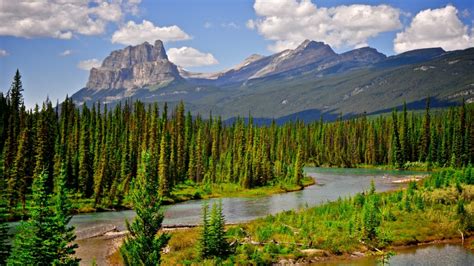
point(213, 241)
point(218, 245)
point(64, 234)
point(396, 146)
point(144, 245)
point(371, 218)
point(45, 238)
point(204, 240)
point(163, 165)
point(426, 133)
point(298, 174)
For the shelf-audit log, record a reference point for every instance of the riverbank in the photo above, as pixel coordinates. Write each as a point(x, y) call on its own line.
point(184, 192)
point(409, 166)
point(426, 212)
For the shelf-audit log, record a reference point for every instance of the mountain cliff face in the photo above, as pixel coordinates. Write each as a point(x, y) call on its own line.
point(307, 82)
point(134, 67)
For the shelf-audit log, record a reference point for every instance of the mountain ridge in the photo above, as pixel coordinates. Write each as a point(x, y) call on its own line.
point(309, 77)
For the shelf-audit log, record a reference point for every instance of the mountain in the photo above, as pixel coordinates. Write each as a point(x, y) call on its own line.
point(306, 82)
point(131, 68)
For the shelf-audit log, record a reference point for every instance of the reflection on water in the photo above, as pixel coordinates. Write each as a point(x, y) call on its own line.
point(433, 255)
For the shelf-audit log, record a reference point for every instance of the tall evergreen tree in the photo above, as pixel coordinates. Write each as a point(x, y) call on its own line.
point(64, 234)
point(426, 134)
point(163, 165)
point(213, 241)
point(218, 245)
point(298, 174)
point(45, 238)
point(397, 149)
point(143, 246)
point(204, 240)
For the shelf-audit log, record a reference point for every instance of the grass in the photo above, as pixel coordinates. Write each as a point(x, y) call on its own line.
point(190, 190)
point(336, 228)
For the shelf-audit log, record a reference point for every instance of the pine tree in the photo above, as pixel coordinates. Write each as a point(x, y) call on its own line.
point(298, 174)
point(396, 146)
point(404, 139)
point(85, 156)
point(143, 246)
point(64, 234)
point(218, 245)
point(371, 218)
point(204, 240)
point(426, 134)
point(44, 239)
point(163, 165)
point(213, 242)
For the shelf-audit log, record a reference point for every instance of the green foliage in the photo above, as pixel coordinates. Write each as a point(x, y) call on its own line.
point(376, 221)
point(45, 239)
point(213, 240)
point(101, 147)
point(371, 218)
point(4, 235)
point(144, 243)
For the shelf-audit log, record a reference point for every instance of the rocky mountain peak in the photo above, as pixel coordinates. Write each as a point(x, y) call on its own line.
point(313, 46)
point(132, 55)
point(364, 54)
point(134, 67)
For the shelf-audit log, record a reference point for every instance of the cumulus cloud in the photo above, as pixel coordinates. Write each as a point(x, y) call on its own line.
point(289, 22)
point(132, 33)
point(65, 53)
point(60, 18)
point(434, 28)
point(3, 53)
point(89, 64)
point(190, 57)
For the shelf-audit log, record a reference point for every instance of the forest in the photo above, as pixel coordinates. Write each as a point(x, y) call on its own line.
point(100, 149)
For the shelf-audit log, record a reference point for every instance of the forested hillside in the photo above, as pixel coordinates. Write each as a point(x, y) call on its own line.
point(101, 147)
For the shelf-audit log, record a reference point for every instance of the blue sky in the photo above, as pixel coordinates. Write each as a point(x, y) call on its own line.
point(48, 41)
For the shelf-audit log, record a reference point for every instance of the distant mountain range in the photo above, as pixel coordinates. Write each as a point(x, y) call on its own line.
point(305, 83)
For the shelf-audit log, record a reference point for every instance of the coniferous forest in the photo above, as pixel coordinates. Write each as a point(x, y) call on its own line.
point(100, 148)
point(260, 132)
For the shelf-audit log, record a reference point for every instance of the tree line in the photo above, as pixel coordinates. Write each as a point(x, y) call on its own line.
point(101, 148)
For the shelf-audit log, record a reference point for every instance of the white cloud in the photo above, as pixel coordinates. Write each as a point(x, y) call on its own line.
point(434, 28)
point(289, 22)
point(230, 25)
point(65, 53)
point(207, 25)
point(250, 24)
point(190, 57)
point(88, 64)
point(3, 53)
point(60, 18)
point(132, 33)
point(132, 6)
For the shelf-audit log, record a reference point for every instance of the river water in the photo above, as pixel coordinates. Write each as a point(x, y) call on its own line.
point(330, 185)
point(430, 255)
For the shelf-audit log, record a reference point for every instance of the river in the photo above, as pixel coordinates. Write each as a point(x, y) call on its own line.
point(330, 185)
